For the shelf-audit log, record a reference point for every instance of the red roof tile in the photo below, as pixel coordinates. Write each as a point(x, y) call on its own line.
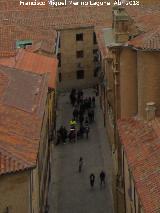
point(142, 146)
point(145, 18)
point(22, 104)
point(59, 17)
point(35, 63)
point(147, 41)
point(15, 5)
point(11, 33)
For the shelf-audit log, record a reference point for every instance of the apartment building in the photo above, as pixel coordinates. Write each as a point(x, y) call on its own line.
point(77, 58)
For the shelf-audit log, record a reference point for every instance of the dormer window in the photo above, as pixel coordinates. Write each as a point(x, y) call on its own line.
point(23, 43)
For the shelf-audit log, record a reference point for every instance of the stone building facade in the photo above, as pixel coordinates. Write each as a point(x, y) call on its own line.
point(77, 58)
point(129, 84)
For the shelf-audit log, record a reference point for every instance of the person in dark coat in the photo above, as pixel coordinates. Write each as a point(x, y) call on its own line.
point(80, 164)
point(81, 119)
point(86, 121)
point(92, 179)
point(82, 130)
point(73, 100)
point(58, 137)
point(92, 115)
point(93, 101)
point(87, 131)
point(75, 114)
point(102, 178)
point(65, 134)
point(89, 102)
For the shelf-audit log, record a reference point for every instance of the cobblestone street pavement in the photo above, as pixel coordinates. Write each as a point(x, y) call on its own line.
point(70, 190)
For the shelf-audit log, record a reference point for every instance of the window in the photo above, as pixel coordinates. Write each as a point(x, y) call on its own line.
point(95, 51)
point(60, 76)
point(94, 38)
point(79, 54)
point(59, 59)
point(23, 43)
point(80, 74)
point(79, 37)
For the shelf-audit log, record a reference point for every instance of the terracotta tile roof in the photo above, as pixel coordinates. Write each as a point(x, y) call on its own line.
point(39, 25)
point(142, 147)
point(147, 41)
point(22, 103)
point(35, 63)
point(11, 33)
point(15, 5)
point(60, 17)
point(145, 18)
point(44, 46)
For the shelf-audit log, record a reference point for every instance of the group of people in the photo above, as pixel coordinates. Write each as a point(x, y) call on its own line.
point(83, 111)
point(82, 115)
point(102, 174)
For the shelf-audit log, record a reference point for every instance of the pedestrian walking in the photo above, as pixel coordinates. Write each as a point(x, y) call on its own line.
point(82, 130)
point(75, 114)
point(89, 102)
point(102, 178)
point(64, 135)
point(87, 131)
point(93, 102)
point(92, 179)
point(92, 115)
point(58, 137)
point(81, 119)
point(80, 164)
point(86, 121)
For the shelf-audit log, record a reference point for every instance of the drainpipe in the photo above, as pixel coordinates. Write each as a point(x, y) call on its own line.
point(30, 188)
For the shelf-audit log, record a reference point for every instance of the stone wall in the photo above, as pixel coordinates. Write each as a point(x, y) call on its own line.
point(128, 83)
point(14, 192)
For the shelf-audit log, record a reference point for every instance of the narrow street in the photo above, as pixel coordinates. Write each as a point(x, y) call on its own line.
point(70, 191)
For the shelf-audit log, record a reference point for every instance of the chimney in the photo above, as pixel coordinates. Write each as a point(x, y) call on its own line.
point(150, 111)
point(120, 24)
